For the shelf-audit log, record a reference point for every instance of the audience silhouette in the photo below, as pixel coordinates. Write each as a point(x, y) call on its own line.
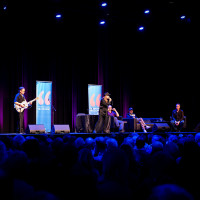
point(143, 167)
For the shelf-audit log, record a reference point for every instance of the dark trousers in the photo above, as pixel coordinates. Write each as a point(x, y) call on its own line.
point(103, 124)
point(179, 127)
point(20, 122)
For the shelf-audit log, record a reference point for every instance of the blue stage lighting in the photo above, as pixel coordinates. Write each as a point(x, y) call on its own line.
point(147, 11)
point(140, 28)
point(58, 15)
point(104, 4)
point(5, 7)
point(102, 22)
point(182, 17)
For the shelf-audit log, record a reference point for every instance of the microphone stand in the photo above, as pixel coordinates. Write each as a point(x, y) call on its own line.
point(53, 108)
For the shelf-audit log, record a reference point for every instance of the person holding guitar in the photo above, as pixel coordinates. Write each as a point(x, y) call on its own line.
point(20, 104)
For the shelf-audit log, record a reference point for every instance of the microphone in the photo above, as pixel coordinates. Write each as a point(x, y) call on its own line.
point(51, 105)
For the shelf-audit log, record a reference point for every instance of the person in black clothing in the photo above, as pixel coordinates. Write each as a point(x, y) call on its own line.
point(177, 118)
point(103, 122)
point(19, 98)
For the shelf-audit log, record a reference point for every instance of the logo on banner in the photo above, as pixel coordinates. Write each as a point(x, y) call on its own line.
point(46, 100)
point(97, 102)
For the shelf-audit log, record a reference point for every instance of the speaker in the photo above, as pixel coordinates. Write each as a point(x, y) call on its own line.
point(159, 127)
point(35, 129)
point(60, 128)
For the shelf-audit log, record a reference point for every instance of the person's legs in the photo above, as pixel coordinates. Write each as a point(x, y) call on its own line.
point(143, 125)
point(121, 125)
point(174, 126)
point(17, 115)
point(116, 121)
point(180, 126)
point(107, 123)
point(21, 122)
point(99, 125)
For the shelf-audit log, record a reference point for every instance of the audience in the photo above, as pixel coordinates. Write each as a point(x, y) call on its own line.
point(170, 192)
point(143, 167)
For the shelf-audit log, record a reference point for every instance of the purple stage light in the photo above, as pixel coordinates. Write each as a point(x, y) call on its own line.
point(1, 113)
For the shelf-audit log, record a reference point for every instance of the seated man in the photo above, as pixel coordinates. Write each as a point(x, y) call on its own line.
point(119, 123)
point(130, 114)
point(177, 118)
point(140, 120)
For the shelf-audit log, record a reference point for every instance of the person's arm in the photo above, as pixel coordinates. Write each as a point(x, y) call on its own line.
point(104, 103)
point(19, 104)
point(117, 114)
point(110, 102)
point(173, 116)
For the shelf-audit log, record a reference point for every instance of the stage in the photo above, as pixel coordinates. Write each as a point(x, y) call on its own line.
point(94, 135)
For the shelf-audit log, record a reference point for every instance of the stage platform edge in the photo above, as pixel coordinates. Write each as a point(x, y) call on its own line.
point(93, 135)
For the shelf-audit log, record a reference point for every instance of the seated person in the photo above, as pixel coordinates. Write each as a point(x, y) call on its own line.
point(119, 123)
point(140, 120)
point(130, 114)
point(177, 118)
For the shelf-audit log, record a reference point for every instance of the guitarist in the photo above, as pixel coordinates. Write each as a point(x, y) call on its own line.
point(19, 98)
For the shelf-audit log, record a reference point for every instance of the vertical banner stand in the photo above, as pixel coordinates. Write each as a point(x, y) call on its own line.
point(43, 105)
point(94, 98)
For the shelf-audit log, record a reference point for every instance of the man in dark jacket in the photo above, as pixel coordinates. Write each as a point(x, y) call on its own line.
point(177, 118)
point(103, 122)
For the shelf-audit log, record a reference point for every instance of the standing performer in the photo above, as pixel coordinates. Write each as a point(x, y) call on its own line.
point(103, 121)
point(19, 98)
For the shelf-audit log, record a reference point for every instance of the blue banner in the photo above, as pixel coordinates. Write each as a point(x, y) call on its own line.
point(43, 105)
point(94, 98)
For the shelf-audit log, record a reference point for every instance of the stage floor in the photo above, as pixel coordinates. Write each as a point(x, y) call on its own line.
point(93, 135)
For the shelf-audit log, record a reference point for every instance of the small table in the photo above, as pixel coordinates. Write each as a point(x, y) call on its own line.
point(85, 123)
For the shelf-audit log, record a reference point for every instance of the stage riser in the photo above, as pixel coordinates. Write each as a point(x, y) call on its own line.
point(92, 135)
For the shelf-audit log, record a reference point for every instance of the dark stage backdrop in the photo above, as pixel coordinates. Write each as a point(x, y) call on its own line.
point(150, 71)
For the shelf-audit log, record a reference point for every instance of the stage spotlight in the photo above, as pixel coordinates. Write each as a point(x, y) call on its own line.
point(185, 19)
point(104, 4)
point(58, 16)
point(102, 22)
point(140, 28)
point(182, 17)
point(5, 7)
point(147, 11)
